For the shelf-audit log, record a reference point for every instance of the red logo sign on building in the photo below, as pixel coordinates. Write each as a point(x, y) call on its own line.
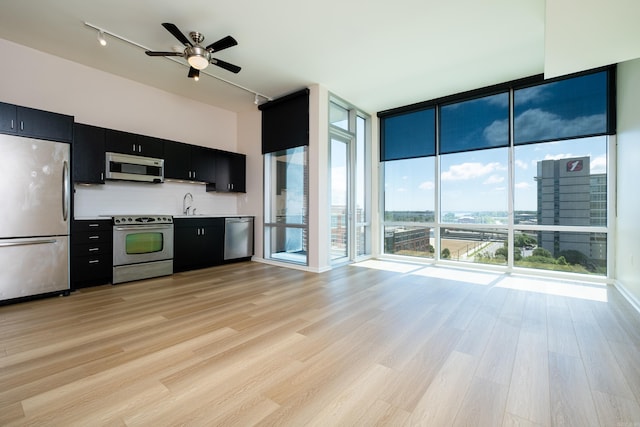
point(574, 165)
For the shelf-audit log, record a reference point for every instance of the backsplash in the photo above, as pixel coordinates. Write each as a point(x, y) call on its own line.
point(117, 197)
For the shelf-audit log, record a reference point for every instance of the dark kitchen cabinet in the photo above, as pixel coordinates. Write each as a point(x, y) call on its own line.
point(197, 243)
point(91, 253)
point(118, 141)
point(87, 150)
point(24, 121)
point(189, 162)
point(230, 173)
point(8, 118)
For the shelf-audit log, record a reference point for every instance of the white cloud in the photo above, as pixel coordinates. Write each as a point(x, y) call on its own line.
point(523, 185)
point(537, 93)
point(427, 185)
point(599, 164)
point(470, 170)
point(494, 179)
point(497, 133)
point(522, 165)
point(559, 156)
point(536, 124)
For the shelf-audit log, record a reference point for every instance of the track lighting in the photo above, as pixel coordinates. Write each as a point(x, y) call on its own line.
point(196, 74)
point(101, 39)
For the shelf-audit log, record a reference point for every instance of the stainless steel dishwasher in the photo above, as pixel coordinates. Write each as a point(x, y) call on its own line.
point(238, 237)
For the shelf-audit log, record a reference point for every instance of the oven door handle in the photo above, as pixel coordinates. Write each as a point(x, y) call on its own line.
point(142, 227)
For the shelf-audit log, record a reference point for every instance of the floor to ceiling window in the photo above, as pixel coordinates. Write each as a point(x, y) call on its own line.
point(514, 175)
point(349, 185)
point(286, 226)
point(285, 140)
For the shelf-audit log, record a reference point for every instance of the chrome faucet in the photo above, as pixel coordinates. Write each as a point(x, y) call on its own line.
point(185, 208)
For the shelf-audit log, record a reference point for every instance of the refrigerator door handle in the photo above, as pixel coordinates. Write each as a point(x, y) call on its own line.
point(65, 190)
point(31, 242)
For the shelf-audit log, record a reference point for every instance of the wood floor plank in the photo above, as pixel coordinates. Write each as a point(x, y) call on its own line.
point(571, 400)
point(441, 402)
point(529, 388)
point(255, 344)
point(615, 410)
point(483, 404)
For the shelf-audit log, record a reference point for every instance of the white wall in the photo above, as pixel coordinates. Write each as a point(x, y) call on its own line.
point(627, 239)
point(35, 79)
point(249, 143)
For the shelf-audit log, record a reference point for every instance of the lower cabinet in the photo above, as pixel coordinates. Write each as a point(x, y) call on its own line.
point(197, 243)
point(91, 253)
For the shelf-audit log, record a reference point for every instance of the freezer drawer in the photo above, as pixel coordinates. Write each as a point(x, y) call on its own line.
point(238, 238)
point(33, 266)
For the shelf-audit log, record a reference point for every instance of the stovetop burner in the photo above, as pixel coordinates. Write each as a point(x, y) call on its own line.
point(142, 219)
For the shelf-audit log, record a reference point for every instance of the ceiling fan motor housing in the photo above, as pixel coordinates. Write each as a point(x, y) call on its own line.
point(198, 57)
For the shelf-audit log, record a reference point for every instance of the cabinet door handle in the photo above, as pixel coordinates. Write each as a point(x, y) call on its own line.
point(93, 249)
point(12, 124)
point(203, 231)
point(139, 148)
point(94, 237)
point(133, 146)
point(94, 225)
point(101, 176)
point(94, 261)
point(21, 124)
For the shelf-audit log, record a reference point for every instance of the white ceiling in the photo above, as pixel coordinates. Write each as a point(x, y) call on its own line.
point(375, 54)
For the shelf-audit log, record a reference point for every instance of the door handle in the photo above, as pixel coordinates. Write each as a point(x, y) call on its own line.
point(65, 190)
point(33, 242)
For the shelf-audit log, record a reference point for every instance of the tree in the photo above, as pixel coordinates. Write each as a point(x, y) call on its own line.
point(446, 253)
point(502, 252)
point(542, 252)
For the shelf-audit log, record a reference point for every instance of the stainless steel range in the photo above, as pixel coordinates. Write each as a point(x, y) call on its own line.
point(142, 247)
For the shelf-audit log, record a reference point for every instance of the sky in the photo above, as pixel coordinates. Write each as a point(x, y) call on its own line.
point(478, 181)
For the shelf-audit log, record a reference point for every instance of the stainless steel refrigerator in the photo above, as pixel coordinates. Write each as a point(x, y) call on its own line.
point(34, 217)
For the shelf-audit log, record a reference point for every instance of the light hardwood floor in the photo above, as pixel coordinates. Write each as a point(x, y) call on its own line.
point(253, 344)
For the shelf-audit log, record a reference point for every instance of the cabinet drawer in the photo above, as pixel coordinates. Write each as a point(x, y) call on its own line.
point(91, 225)
point(91, 237)
point(91, 249)
point(91, 270)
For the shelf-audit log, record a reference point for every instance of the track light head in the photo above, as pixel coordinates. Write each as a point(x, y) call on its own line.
point(101, 39)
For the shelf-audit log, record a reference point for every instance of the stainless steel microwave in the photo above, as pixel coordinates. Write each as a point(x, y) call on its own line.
point(134, 168)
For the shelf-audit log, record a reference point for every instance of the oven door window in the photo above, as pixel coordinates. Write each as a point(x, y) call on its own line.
point(144, 243)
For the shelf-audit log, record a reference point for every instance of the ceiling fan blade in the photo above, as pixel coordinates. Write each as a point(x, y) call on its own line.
point(152, 53)
point(177, 33)
point(194, 73)
point(221, 44)
point(226, 65)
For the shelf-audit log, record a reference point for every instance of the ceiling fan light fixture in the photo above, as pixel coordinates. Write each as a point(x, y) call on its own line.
point(197, 57)
point(198, 62)
point(101, 39)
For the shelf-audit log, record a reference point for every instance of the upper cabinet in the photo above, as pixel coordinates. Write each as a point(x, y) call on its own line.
point(189, 162)
point(34, 123)
point(87, 150)
point(230, 173)
point(130, 143)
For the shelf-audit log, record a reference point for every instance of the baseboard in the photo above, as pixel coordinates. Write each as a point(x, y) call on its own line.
point(291, 265)
point(635, 303)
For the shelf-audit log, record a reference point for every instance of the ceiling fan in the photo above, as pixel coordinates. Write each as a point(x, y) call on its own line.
point(198, 56)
